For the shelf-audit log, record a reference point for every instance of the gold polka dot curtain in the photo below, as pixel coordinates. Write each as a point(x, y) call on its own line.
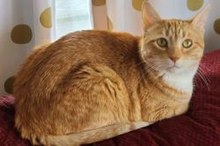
point(23, 25)
point(124, 15)
point(27, 23)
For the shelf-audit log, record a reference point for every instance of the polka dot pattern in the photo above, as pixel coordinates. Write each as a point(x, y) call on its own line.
point(9, 85)
point(22, 30)
point(46, 18)
point(21, 34)
point(194, 5)
point(98, 2)
point(137, 4)
point(217, 26)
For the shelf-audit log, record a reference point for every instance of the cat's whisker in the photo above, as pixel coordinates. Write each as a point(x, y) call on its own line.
point(150, 69)
point(204, 67)
point(201, 75)
point(149, 65)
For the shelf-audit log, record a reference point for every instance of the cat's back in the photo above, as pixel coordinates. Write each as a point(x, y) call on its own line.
point(49, 64)
point(96, 44)
point(93, 45)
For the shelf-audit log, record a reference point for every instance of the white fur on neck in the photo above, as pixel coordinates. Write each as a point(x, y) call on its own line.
point(182, 82)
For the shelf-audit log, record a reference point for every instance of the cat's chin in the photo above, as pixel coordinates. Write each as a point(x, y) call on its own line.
point(174, 69)
point(180, 70)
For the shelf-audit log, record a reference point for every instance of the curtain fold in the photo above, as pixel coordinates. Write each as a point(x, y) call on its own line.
point(99, 11)
point(118, 15)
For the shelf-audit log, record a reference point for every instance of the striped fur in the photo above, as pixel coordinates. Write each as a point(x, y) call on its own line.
point(93, 85)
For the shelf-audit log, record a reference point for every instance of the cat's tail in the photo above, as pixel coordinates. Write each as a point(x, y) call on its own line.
point(86, 137)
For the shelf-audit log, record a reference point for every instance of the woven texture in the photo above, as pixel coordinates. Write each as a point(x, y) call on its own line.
point(200, 126)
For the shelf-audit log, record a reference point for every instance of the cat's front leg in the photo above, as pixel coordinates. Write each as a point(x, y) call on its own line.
point(164, 112)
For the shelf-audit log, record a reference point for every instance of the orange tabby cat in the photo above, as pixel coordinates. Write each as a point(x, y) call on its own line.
point(93, 85)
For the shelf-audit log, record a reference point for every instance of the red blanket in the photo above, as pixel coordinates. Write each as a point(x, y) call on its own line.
point(200, 126)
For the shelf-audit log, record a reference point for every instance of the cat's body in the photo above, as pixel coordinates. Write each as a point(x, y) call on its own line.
point(93, 85)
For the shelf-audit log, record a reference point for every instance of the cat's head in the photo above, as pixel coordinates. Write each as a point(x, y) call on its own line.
point(172, 46)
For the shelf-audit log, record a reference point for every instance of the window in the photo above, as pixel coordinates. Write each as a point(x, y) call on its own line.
point(71, 15)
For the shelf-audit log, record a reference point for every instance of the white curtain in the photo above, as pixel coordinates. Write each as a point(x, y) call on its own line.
point(124, 15)
point(24, 24)
point(42, 25)
point(28, 23)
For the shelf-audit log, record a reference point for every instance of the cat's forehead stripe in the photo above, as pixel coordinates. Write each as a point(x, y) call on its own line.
point(174, 28)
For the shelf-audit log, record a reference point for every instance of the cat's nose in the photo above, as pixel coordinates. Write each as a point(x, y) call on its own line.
point(173, 58)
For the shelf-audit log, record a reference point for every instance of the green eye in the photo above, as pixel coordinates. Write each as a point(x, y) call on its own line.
point(187, 43)
point(162, 42)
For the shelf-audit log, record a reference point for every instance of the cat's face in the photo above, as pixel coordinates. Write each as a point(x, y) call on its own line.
point(172, 46)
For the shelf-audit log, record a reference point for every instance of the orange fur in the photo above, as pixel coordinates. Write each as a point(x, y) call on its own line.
point(93, 85)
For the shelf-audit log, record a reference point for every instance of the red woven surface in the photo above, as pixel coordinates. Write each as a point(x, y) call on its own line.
point(200, 126)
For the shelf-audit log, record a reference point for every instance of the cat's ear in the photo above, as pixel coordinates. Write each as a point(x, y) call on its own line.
point(149, 15)
point(200, 19)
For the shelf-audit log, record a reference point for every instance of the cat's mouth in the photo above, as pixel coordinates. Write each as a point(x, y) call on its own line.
point(173, 68)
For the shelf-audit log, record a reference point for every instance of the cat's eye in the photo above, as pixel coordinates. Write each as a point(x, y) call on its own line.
point(187, 43)
point(162, 42)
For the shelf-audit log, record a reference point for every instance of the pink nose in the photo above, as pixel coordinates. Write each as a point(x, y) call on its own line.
point(174, 59)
